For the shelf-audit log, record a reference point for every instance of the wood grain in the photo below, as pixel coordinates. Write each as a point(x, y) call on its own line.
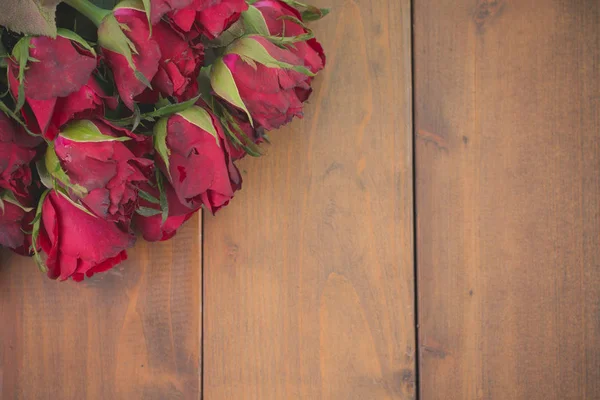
point(309, 272)
point(507, 101)
point(132, 333)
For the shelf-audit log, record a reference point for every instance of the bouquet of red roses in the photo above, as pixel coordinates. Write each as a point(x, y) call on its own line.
point(130, 119)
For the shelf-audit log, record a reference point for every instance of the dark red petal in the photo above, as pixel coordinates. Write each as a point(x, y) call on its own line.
point(61, 68)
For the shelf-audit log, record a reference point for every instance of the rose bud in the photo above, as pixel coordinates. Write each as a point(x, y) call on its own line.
point(149, 220)
point(17, 150)
point(103, 171)
point(282, 20)
point(207, 17)
point(53, 77)
point(76, 242)
point(15, 220)
point(267, 82)
point(195, 155)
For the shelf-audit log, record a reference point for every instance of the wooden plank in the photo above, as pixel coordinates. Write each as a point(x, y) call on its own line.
point(309, 272)
point(131, 333)
point(507, 101)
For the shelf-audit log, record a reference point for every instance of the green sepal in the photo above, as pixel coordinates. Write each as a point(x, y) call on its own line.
point(247, 144)
point(254, 22)
point(86, 131)
point(148, 197)
point(147, 211)
point(158, 113)
point(76, 38)
point(234, 32)
point(63, 192)
point(20, 54)
point(309, 12)
point(164, 201)
point(9, 197)
point(111, 37)
point(36, 233)
point(222, 82)
point(249, 48)
point(54, 168)
point(15, 117)
point(160, 141)
point(313, 13)
point(45, 176)
point(148, 10)
point(283, 40)
point(139, 5)
point(202, 119)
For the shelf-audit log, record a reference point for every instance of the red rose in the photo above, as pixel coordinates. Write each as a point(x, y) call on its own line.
point(128, 24)
point(78, 243)
point(17, 150)
point(93, 157)
point(208, 17)
point(272, 94)
point(276, 15)
point(59, 84)
point(15, 220)
point(179, 65)
point(152, 227)
point(199, 163)
point(164, 59)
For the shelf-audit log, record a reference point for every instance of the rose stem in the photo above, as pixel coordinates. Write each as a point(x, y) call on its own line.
point(91, 11)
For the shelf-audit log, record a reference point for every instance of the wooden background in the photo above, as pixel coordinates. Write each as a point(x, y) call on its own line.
point(304, 287)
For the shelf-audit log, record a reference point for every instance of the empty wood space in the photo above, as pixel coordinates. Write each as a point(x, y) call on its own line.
point(304, 287)
point(507, 121)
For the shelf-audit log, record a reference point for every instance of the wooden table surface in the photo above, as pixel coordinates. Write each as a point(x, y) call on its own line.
point(367, 256)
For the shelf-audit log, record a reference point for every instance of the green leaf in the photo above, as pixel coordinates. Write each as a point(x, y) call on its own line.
point(147, 212)
point(160, 140)
point(223, 84)
point(201, 118)
point(31, 17)
point(86, 131)
point(254, 22)
point(164, 202)
point(249, 47)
